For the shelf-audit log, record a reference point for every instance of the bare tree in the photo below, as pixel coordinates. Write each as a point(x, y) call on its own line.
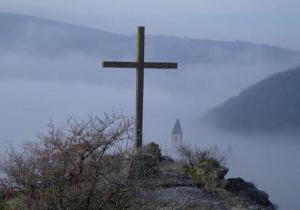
point(78, 166)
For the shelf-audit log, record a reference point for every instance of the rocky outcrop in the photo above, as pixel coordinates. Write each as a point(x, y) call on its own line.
point(240, 187)
point(161, 184)
point(143, 166)
point(151, 149)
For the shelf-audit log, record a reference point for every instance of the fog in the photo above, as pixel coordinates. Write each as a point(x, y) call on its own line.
point(36, 88)
point(270, 162)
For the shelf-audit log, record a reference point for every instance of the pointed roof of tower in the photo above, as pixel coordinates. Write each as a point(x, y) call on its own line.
point(177, 128)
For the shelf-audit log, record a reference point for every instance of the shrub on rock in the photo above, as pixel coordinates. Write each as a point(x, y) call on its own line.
point(204, 166)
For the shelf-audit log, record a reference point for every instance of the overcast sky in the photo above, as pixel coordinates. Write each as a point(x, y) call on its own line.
point(273, 22)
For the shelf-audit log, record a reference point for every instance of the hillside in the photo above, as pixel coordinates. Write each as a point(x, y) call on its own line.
point(272, 105)
point(23, 33)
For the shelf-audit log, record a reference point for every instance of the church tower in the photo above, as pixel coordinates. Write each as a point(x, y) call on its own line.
point(177, 133)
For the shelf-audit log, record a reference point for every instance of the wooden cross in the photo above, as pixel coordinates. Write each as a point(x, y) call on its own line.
point(139, 65)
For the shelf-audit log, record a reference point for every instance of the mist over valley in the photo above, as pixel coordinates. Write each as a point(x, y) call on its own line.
point(52, 70)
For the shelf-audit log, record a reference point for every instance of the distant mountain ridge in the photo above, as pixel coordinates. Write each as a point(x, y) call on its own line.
point(272, 105)
point(38, 35)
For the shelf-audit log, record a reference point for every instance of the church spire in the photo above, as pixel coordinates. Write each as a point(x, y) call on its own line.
point(177, 133)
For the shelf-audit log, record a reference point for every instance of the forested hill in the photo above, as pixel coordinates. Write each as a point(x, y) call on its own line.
point(37, 35)
point(272, 105)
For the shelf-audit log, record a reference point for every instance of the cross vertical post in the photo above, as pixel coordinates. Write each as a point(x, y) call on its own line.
point(139, 65)
point(139, 86)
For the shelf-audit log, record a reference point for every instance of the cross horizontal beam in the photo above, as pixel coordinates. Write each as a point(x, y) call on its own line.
point(148, 65)
point(113, 64)
point(159, 65)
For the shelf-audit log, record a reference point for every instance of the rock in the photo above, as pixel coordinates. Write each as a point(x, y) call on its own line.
point(194, 198)
point(242, 188)
point(160, 183)
point(144, 163)
point(143, 166)
point(167, 159)
point(151, 149)
point(221, 172)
